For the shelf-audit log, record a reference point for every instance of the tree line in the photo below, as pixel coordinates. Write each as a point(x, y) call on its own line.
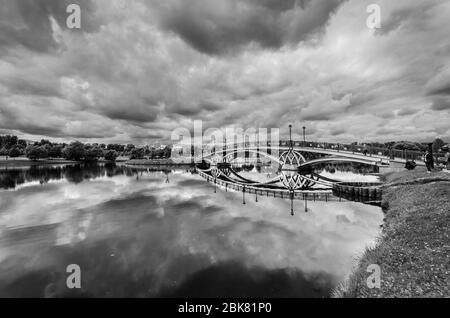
point(437, 145)
point(14, 147)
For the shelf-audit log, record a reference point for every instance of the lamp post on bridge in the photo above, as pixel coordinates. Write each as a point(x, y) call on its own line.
point(304, 136)
point(290, 136)
point(202, 154)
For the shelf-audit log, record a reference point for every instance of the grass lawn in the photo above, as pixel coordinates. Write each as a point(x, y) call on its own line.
point(414, 250)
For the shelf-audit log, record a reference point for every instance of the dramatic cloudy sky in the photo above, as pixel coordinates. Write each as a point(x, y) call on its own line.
point(139, 69)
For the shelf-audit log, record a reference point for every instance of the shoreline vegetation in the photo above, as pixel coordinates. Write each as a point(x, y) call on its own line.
point(45, 151)
point(155, 162)
point(413, 250)
point(25, 162)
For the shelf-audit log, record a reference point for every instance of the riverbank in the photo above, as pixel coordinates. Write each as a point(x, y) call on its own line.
point(25, 162)
point(155, 162)
point(414, 248)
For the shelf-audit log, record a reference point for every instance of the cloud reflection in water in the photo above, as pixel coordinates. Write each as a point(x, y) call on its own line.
point(135, 235)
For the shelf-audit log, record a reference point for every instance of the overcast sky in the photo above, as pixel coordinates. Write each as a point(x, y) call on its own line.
point(139, 69)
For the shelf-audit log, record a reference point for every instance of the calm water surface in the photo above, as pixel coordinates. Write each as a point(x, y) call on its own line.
point(167, 234)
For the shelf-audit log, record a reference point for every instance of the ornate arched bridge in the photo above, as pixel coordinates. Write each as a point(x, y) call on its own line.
point(292, 170)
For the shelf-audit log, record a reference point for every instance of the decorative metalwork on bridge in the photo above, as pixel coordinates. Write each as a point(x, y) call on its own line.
point(215, 172)
point(292, 158)
point(294, 178)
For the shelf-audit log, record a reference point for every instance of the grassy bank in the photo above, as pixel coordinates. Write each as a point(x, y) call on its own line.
point(414, 249)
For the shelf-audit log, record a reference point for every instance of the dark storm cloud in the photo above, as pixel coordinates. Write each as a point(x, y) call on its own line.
point(27, 22)
point(10, 121)
point(387, 131)
point(338, 131)
point(440, 84)
point(407, 112)
point(444, 90)
point(441, 103)
point(31, 86)
point(438, 88)
point(222, 26)
point(317, 116)
point(130, 113)
point(193, 108)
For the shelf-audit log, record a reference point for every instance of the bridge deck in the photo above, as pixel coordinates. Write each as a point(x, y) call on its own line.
point(375, 159)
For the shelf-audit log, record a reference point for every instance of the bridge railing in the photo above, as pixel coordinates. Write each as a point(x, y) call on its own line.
point(361, 149)
point(370, 151)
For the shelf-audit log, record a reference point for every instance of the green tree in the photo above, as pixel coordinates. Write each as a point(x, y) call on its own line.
point(129, 148)
point(44, 142)
point(22, 143)
point(437, 144)
point(137, 153)
point(36, 152)
point(111, 155)
point(14, 152)
point(405, 145)
point(92, 153)
point(167, 152)
point(74, 151)
point(116, 147)
point(55, 151)
point(11, 141)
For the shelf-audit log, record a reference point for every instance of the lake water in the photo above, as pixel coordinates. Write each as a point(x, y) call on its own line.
point(146, 233)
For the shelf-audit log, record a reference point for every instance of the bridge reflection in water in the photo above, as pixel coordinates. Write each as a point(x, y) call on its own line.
point(294, 177)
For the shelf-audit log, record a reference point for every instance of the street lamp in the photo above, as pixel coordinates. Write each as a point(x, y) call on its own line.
point(304, 136)
point(290, 135)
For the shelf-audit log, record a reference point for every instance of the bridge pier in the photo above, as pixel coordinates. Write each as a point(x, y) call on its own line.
point(360, 192)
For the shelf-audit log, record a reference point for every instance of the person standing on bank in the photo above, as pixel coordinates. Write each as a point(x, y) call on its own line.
point(428, 161)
